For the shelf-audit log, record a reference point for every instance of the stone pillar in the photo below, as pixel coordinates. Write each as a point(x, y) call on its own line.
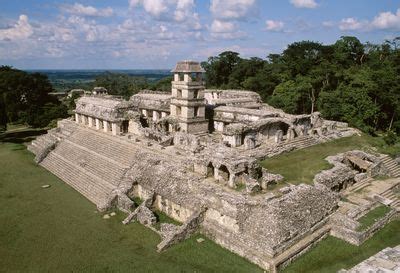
point(290, 134)
point(144, 112)
point(232, 179)
point(156, 115)
point(115, 129)
point(76, 118)
point(105, 124)
point(163, 114)
point(216, 173)
point(97, 124)
point(90, 122)
point(278, 136)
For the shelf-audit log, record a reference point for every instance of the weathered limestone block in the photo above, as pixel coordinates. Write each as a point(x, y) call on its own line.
point(269, 179)
point(183, 232)
point(360, 176)
point(252, 184)
point(124, 203)
point(187, 142)
point(145, 216)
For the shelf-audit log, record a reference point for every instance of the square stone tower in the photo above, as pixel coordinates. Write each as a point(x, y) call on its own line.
point(188, 103)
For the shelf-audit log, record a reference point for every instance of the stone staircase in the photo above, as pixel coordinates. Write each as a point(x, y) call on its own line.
point(43, 141)
point(92, 187)
point(391, 165)
point(104, 145)
point(303, 142)
point(360, 185)
point(393, 198)
point(92, 164)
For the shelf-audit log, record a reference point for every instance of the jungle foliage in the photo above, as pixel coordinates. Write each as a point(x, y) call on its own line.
point(347, 81)
point(24, 98)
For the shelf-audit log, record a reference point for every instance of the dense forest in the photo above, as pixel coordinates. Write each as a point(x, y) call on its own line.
point(25, 99)
point(346, 81)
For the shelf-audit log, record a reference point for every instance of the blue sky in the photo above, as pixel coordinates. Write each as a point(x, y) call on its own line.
point(155, 34)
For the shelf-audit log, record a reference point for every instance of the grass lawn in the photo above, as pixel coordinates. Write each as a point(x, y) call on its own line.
point(333, 254)
point(58, 230)
point(301, 166)
point(370, 218)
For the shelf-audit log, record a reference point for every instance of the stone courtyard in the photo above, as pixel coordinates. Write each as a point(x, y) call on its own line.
point(194, 155)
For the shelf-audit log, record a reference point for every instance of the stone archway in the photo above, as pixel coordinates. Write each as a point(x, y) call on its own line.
point(223, 173)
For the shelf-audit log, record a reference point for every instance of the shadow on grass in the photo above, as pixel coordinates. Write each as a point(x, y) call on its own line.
point(21, 136)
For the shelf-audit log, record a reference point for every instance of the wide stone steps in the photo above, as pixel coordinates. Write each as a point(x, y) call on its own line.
point(395, 200)
point(362, 184)
point(94, 189)
point(303, 142)
point(104, 146)
point(391, 165)
point(91, 162)
point(41, 142)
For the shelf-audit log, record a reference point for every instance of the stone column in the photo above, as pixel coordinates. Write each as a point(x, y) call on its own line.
point(278, 136)
point(290, 134)
point(232, 180)
point(163, 114)
point(97, 124)
point(216, 173)
point(90, 122)
point(76, 118)
point(105, 124)
point(115, 129)
point(156, 115)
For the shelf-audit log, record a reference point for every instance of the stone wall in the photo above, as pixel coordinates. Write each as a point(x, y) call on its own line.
point(348, 232)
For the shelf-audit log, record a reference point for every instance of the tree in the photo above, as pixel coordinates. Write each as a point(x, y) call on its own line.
point(121, 84)
point(24, 97)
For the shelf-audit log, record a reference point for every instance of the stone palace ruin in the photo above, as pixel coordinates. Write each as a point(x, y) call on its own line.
point(193, 154)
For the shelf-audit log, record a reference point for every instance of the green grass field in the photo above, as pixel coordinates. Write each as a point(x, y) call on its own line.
point(58, 230)
point(301, 166)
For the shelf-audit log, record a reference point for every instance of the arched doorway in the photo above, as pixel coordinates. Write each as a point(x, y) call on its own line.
point(223, 173)
point(210, 170)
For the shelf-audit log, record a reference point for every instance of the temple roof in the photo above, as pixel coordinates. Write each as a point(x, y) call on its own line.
point(188, 67)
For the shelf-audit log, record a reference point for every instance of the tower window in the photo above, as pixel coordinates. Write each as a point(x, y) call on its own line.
point(179, 93)
point(196, 111)
point(178, 111)
point(195, 94)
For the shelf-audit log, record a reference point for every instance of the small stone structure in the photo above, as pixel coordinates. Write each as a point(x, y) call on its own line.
point(184, 152)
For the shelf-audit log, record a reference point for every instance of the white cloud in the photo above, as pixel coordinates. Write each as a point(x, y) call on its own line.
point(352, 24)
point(20, 30)
point(272, 25)
point(153, 7)
point(231, 9)
point(309, 4)
point(181, 11)
point(328, 24)
point(218, 26)
point(81, 10)
point(383, 21)
point(387, 20)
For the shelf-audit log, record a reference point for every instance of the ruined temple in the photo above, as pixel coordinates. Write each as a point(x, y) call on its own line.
point(193, 154)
